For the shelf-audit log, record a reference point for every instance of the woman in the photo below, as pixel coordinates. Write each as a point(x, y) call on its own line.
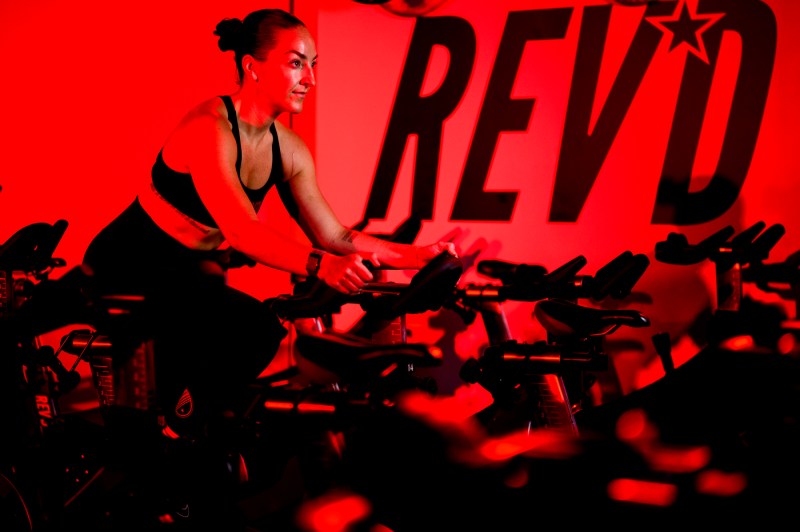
point(208, 182)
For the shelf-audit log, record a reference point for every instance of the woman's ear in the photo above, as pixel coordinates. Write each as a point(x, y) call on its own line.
point(248, 62)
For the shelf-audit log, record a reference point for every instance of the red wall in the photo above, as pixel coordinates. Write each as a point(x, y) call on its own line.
point(540, 158)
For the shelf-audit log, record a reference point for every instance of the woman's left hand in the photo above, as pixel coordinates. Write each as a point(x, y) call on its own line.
point(425, 254)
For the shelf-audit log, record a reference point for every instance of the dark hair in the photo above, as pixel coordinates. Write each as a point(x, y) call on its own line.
point(255, 35)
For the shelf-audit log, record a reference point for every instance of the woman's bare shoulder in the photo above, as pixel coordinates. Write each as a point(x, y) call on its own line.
point(205, 123)
point(208, 111)
point(288, 135)
point(291, 143)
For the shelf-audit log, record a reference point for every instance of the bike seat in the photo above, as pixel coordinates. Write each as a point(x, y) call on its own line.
point(562, 319)
point(343, 353)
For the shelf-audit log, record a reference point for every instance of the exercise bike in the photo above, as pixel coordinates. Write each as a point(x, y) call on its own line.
point(543, 384)
point(737, 398)
point(121, 446)
point(48, 458)
point(345, 382)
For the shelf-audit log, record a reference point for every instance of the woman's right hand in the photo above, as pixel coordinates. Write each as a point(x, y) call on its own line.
point(347, 273)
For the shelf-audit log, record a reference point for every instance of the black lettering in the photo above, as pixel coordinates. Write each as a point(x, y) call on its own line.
point(583, 152)
point(501, 113)
point(414, 114)
point(755, 23)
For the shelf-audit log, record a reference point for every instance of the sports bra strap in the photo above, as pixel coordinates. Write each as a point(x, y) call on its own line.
point(235, 126)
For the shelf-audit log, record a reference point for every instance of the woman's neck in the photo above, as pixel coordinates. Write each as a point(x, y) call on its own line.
point(253, 119)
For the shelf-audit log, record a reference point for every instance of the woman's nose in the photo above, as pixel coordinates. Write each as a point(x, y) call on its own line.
point(309, 79)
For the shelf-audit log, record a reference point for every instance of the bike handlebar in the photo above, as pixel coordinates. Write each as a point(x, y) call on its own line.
point(427, 291)
point(524, 282)
point(749, 246)
point(31, 248)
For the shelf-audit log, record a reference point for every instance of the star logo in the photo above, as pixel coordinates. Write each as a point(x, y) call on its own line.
point(686, 28)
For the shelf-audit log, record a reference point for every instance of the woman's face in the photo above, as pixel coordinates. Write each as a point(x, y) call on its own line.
point(287, 73)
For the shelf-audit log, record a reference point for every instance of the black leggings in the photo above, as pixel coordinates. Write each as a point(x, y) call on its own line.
point(210, 340)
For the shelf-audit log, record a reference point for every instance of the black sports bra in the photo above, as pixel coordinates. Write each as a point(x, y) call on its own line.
point(179, 190)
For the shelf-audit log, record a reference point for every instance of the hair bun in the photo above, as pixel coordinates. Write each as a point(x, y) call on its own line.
point(229, 31)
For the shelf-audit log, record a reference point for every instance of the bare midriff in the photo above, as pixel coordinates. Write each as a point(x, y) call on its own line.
point(179, 226)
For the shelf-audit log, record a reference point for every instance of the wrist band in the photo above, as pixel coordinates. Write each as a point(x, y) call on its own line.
point(314, 262)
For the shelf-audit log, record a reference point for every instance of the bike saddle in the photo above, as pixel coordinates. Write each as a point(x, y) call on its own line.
point(343, 353)
point(566, 319)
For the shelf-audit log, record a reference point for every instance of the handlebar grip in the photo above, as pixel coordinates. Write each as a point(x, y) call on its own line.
point(567, 270)
point(764, 243)
point(618, 284)
point(606, 276)
point(747, 236)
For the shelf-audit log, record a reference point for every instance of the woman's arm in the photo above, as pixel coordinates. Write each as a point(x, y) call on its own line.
point(207, 150)
point(210, 155)
point(323, 227)
point(212, 164)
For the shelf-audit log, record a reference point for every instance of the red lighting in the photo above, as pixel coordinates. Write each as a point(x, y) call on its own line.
point(278, 405)
point(787, 344)
point(334, 512)
point(720, 483)
point(738, 343)
point(307, 408)
point(677, 459)
point(634, 426)
point(642, 492)
point(303, 408)
point(388, 370)
point(542, 443)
